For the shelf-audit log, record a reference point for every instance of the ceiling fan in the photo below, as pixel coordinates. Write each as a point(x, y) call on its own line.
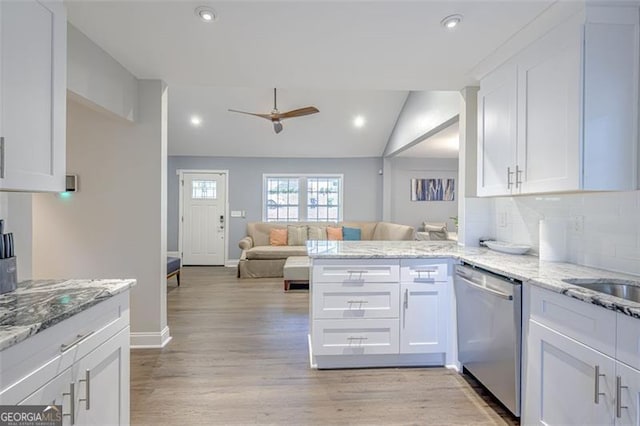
point(276, 116)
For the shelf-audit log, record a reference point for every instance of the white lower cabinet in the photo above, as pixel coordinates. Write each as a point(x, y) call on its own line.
point(59, 391)
point(568, 383)
point(627, 395)
point(379, 312)
point(81, 363)
point(103, 378)
point(577, 372)
point(423, 322)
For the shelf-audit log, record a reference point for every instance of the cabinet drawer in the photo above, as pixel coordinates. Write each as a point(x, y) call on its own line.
point(355, 270)
point(31, 363)
point(356, 337)
point(628, 337)
point(424, 270)
point(591, 325)
point(356, 300)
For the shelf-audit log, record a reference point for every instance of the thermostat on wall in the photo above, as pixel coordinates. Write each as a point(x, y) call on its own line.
point(71, 183)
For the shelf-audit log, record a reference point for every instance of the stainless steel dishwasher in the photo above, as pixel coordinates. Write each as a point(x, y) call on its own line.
point(489, 313)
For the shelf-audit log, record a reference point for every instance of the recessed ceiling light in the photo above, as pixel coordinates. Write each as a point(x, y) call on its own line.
point(196, 121)
point(359, 121)
point(206, 14)
point(451, 21)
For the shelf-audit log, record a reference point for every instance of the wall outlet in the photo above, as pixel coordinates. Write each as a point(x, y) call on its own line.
point(577, 225)
point(503, 219)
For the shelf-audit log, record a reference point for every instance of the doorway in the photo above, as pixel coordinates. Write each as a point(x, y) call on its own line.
point(203, 217)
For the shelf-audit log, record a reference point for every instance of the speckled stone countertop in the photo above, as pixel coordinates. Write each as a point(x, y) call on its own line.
point(37, 305)
point(525, 268)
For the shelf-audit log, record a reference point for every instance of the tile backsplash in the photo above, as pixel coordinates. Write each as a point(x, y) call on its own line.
point(603, 228)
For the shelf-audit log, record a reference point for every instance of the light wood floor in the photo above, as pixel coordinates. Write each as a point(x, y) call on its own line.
point(239, 356)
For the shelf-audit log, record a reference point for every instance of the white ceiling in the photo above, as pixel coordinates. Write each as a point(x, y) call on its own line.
point(444, 144)
point(311, 49)
point(330, 133)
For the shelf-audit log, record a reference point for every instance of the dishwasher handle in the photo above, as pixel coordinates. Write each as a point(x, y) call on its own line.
point(464, 277)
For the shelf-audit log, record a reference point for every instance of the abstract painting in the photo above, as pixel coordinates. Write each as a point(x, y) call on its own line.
point(433, 189)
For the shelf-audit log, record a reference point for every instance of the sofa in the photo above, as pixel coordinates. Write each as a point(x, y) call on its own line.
point(260, 259)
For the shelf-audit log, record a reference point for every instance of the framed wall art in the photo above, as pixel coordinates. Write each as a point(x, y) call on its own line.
point(433, 189)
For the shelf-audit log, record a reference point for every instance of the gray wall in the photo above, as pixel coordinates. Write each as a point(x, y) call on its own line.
point(362, 188)
point(413, 213)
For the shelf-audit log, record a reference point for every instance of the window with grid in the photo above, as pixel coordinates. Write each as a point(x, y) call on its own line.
point(292, 198)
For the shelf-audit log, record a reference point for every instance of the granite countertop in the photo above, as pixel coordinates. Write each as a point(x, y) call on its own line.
point(526, 268)
point(37, 305)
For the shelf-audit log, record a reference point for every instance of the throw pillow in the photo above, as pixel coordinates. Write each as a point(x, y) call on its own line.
point(317, 233)
point(278, 237)
point(296, 235)
point(434, 226)
point(334, 234)
point(351, 234)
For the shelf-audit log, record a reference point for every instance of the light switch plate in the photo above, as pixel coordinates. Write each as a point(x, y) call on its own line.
point(236, 213)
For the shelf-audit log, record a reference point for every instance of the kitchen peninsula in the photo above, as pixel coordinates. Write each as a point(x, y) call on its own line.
point(66, 342)
point(385, 303)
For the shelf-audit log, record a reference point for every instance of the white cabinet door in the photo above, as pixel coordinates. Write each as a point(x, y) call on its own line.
point(627, 405)
point(33, 95)
point(562, 386)
point(59, 391)
point(497, 132)
point(103, 383)
point(423, 322)
point(549, 81)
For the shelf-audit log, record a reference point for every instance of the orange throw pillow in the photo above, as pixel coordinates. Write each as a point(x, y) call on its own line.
point(278, 237)
point(334, 234)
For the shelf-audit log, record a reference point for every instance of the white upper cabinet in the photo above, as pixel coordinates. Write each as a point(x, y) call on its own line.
point(32, 95)
point(497, 132)
point(573, 124)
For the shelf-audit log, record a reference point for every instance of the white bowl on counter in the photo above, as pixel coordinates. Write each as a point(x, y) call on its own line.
point(509, 248)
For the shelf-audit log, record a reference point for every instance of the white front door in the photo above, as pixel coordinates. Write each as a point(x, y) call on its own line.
point(204, 202)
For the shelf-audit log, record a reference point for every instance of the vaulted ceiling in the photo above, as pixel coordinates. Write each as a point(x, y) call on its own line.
point(345, 57)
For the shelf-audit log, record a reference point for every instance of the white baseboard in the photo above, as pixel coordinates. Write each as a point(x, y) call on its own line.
point(151, 340)
point(173, 253)
point(232, 263)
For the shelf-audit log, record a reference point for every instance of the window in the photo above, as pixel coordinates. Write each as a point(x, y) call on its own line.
point(204, 190)
point(292, 198)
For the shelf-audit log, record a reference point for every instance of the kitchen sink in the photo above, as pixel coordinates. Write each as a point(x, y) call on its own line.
point(617, 288)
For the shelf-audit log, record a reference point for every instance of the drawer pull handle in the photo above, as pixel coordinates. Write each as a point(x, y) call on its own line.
point(597, 392)
point(72, 403)
point(619, 405)
point(357, 301)
point(66, 346)
point(425, 271)
point(87, 380)
point(357, 338)
point(359, 273)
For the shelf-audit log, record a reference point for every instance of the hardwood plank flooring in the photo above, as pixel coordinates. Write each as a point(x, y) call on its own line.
point(239, 356)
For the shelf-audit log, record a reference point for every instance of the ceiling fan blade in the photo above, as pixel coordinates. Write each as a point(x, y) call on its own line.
point(267, 116)
point(277, 126)
point(298, 112)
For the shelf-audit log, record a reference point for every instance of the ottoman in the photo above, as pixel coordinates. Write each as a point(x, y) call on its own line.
point(296, 269)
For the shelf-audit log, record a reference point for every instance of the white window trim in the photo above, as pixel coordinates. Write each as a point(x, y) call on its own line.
point(303, 187)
